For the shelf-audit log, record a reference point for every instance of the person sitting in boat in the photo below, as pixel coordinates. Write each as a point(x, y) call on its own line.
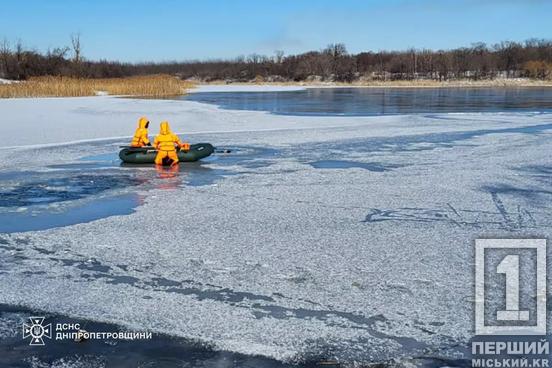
point(166, 143)
point(140, 138)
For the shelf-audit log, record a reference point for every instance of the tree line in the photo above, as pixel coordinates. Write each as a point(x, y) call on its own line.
point(530, 59)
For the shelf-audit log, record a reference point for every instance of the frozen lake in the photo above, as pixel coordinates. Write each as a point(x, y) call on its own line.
point(381, 101)
point(317, 238)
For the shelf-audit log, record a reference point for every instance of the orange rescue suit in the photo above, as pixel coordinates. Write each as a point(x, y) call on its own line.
point(166, 143)
point(140, 138)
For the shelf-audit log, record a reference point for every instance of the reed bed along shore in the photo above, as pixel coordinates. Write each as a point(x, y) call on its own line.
point(151, 85)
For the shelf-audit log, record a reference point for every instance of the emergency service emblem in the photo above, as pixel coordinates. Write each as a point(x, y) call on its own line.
point(37, 330)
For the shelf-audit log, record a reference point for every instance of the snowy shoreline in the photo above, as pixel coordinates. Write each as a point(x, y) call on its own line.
point(202, 88)
point(421, 84)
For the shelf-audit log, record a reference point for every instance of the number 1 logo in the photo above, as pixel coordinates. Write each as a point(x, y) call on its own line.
point(510, 267)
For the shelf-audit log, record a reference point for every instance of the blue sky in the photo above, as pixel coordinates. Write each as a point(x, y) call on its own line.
point(160, 30)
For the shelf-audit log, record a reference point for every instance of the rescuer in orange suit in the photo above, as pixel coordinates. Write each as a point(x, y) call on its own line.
point(140, 138)
point(166, 143)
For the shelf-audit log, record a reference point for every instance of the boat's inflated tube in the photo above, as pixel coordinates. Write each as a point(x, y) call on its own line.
point(146, 155)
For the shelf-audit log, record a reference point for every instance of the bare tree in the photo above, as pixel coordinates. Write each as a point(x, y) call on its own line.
point(76, 44)
point(336, 50)
point(278, 56)
point(19, 55)
point(5, 54)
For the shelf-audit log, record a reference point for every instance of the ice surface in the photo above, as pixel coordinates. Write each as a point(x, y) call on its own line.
point(280, 257)
point(70, 362)
point(36, 123)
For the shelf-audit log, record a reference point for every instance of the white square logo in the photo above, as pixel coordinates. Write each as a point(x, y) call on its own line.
point(510, 287)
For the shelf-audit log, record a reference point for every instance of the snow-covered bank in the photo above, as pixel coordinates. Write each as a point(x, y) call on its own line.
point(7, 81)
point(345, 237)
point(220, 86)
point(244, 88)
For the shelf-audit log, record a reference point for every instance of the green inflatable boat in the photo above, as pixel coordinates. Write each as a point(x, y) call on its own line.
point(146, 155)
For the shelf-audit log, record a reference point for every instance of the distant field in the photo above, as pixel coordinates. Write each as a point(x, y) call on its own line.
point(151, 85)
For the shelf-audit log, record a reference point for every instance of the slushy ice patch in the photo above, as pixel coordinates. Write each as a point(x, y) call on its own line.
point(89, 189)
point(24, 221)
point(420, 142)
point(337, 164)
point(33, 202)
point(63, 188)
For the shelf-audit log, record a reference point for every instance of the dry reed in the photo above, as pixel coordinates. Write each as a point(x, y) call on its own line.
point(151, 85)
